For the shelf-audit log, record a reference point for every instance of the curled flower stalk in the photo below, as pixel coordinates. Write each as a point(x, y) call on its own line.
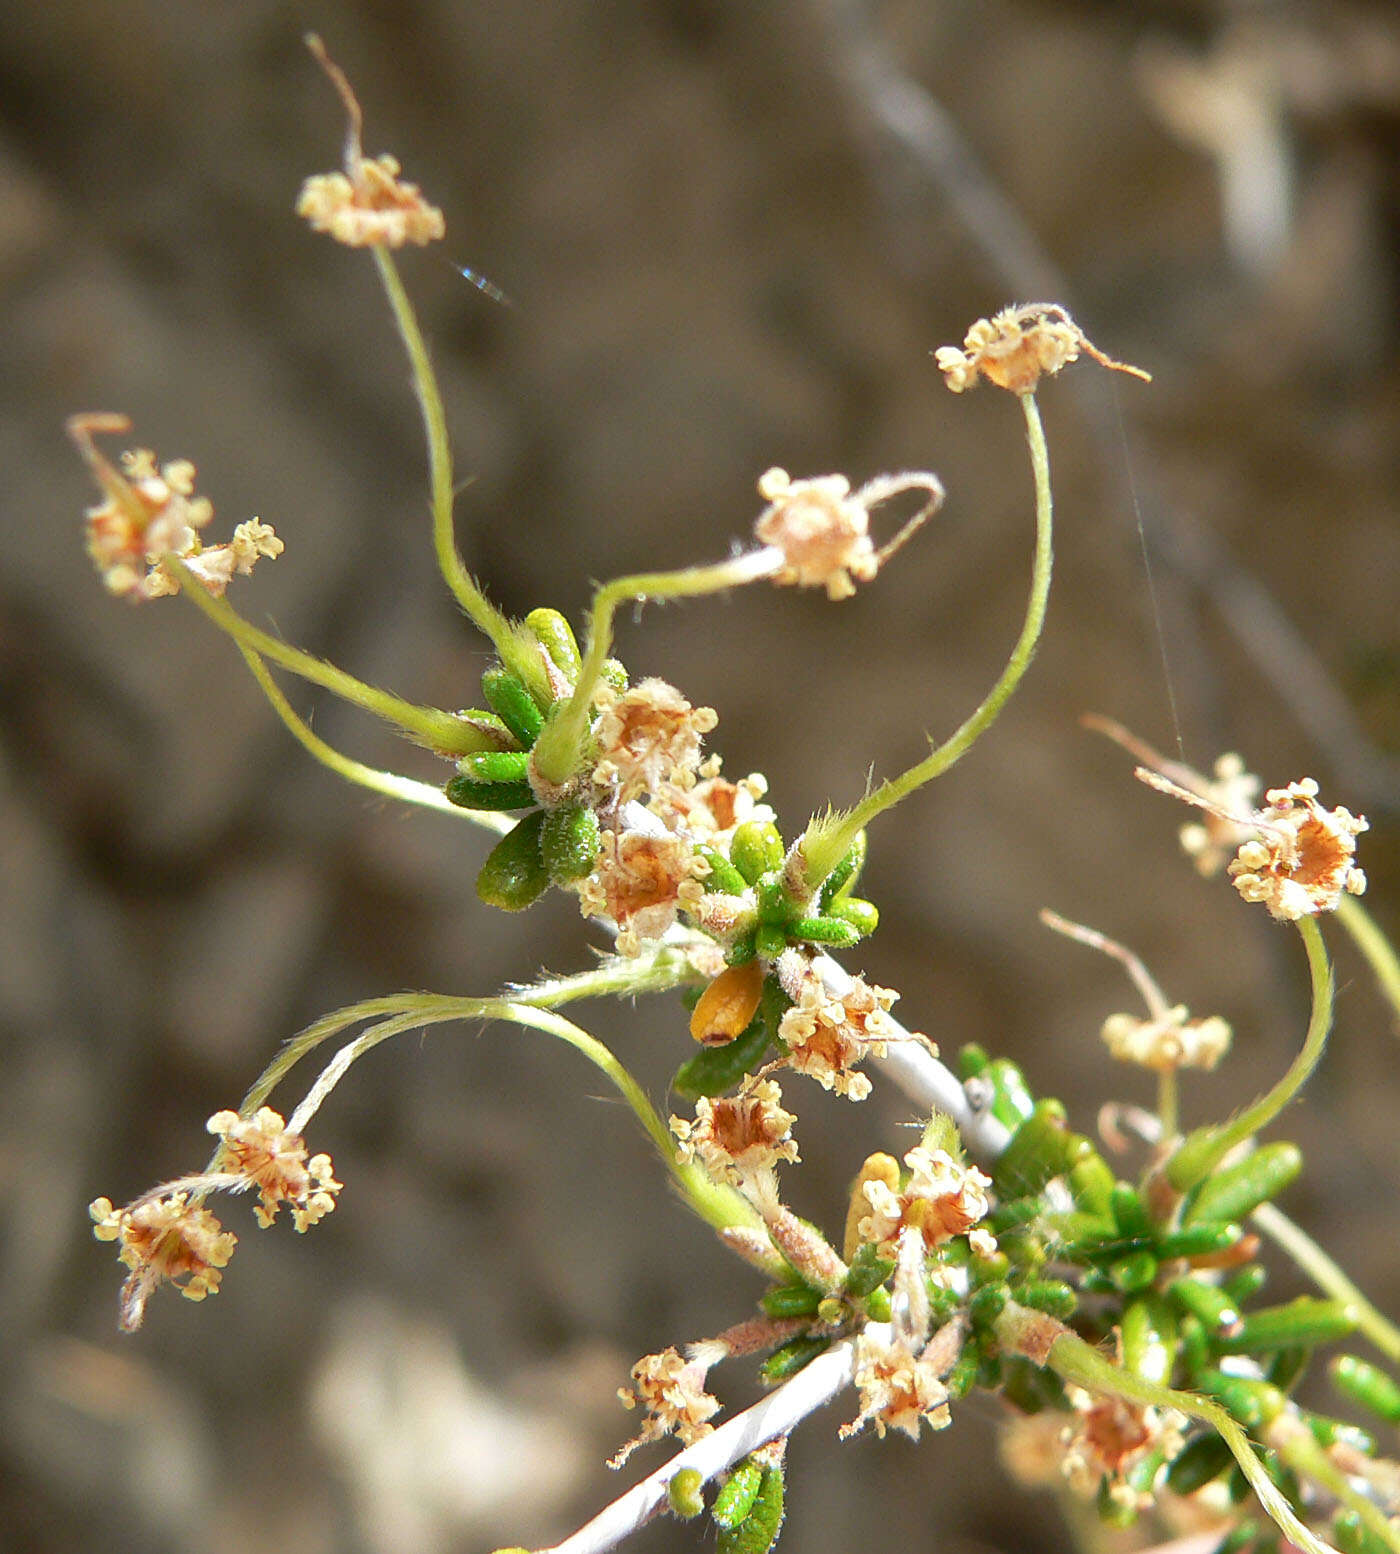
point(813, 533)
point(828, 837)
point(1199, 1155)
point(441, 731)
point(390, 784)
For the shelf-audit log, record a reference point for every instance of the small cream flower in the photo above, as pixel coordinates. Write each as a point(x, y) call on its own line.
point(260, 1149)
point(646, 736)
point(822, 528)
point(822, 531)
point(152, 512)
point(941, 1198)
point(672, 1390)
point(714, 808)
point(1019, 345)
point(827, 1036)
point(166, 1238)
point(640, 881)
point(368, 205)
point(1301, 860)
point(740, 1138)
point(1109, 1436)
point(1169, 1041)
point(899, 1390)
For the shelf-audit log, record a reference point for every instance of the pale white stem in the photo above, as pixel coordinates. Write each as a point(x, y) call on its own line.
point(926, 1081)
point(776, 1415)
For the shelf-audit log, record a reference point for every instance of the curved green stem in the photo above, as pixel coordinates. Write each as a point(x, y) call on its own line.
point(621, 976)
point(1320, 1268)
point(1368, 937)
point(718, 1205)
point(560, 749)
point(515, 650)
point(440, 731)
point(1075, 1360)
point(1297, 1449)
point(1204, 1149)
point(388, 783)
point(662, 969)
point(828, 838)
point(295, 1048)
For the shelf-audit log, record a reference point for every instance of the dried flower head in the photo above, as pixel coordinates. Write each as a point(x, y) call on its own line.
point(739, 1138)
point(1167, 1041)
point(1016, 347)
point(822, 528)
point(827, 1036)
point(1110, 1435)
point(260, 1149)
point(166, 1238)
point(639, 881)
point(1301, 860)
point(368, 205)
point(152, 512)
point(672, 1390)
point(941, 1198)
point(646, 736)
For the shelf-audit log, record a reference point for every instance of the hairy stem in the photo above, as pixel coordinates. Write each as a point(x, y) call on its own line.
point(1299, 1450)
point(1075, 1360)
point(437, 730)
point(560, 748)
point(1206, 1147)
point(828, 839)
point(719, 1206)
point(514, 649)
point(388, 783)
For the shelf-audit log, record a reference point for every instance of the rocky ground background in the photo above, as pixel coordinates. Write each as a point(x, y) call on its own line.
point(731, 233)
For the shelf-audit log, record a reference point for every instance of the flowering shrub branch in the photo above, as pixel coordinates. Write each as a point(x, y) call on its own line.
point(1002, 1252)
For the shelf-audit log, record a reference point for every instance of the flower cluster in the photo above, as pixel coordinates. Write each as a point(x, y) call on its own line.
point(1109, 1437)
point(368, 205)
point(821, 528)
point(940, 1198)
point(151, 513)
point(1167, 1041)
point(169, 1238)
point(740, 1138)
point(260, 1150)
point(1302, 861)
point(827, 1036)
point(900, 1389)
point(672, 1390)
point(639, 881)
point(648, 740)
point(1018, 346)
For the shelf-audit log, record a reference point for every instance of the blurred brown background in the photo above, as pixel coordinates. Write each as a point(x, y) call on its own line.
point(732, 233)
